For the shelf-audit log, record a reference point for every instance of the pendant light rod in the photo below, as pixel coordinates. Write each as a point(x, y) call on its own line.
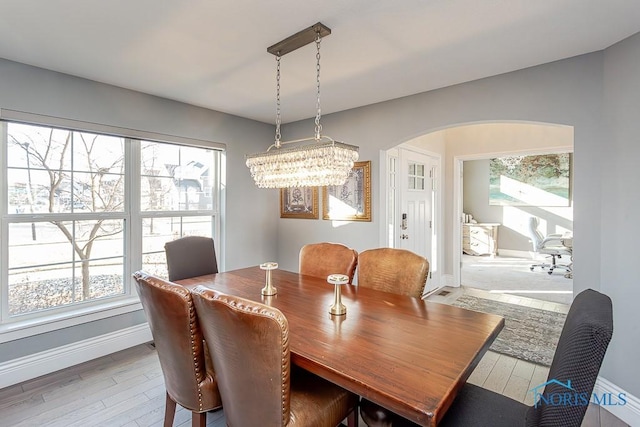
point(299, 39)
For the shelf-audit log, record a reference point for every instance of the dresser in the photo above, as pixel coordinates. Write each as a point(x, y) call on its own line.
point(480, 239)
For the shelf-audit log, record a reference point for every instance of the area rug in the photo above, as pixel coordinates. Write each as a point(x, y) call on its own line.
point(529, 334)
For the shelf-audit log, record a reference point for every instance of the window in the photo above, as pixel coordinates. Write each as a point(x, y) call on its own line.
point(177, 197)
point(416, 176)
point(81, 211)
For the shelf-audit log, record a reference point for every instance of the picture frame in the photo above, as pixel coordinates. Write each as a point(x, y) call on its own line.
point(299, 202)
point(533, 180)
point(350, 201)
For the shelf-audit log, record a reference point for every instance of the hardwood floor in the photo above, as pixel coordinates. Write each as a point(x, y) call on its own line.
point(127, 389)
point(123, 389)
point(513, 377)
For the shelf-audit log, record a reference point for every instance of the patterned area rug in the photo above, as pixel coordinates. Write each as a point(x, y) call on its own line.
point(529, 333)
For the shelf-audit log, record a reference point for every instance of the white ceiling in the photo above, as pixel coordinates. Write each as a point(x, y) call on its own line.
point(212, 53)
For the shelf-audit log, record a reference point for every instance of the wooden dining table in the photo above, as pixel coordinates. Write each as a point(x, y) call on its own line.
point(405, 354)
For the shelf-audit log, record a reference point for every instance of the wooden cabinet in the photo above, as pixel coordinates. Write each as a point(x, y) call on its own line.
point(480, 239)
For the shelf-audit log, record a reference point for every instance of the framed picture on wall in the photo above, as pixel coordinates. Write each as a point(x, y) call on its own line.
point(299, 202)
point(540, 180)
point(350, 201)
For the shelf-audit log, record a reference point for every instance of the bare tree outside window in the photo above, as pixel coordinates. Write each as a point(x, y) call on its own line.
point(70, 212)
point(72, 176)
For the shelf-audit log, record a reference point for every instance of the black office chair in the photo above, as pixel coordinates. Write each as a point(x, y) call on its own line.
point(190, 256)
point(581, 348)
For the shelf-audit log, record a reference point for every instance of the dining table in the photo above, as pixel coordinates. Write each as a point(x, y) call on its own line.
point(409, 355)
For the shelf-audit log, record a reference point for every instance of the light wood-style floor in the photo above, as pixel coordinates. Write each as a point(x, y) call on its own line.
point(126, 389)
point(513, 377)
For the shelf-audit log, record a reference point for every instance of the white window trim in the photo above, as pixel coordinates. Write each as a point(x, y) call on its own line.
point(113, 306)
point(71, 317)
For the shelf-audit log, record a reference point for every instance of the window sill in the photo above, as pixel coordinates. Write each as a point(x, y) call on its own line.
point(34, 326)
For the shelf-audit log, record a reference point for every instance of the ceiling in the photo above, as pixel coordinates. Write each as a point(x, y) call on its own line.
point(212, 53)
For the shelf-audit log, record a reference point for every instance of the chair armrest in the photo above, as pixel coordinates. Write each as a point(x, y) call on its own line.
point(552, 238)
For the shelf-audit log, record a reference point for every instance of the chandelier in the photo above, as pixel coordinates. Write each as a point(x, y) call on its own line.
point(307, 162)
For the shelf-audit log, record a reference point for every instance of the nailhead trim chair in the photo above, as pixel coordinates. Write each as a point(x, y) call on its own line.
point(188, 371)
point(249, 344)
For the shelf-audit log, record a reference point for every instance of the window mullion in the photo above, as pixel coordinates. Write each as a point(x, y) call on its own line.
point(4, 227)
point(134, 224)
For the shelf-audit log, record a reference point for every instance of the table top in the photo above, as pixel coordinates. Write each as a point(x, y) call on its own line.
point(408, 355)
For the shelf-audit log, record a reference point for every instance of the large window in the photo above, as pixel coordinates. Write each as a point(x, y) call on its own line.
point(178, 193)
point(81, 211)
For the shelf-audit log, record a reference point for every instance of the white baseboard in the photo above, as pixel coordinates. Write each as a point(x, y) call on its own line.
point(32, 366)
point(629, 412)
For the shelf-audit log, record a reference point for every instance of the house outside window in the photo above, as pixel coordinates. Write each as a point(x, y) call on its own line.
point(81, 211)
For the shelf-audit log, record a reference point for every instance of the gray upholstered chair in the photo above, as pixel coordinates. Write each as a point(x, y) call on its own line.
point(323, 259)
point(190, 256)
point(398, 271)
point(583, 342)
point(187, 369)
point(249, 344)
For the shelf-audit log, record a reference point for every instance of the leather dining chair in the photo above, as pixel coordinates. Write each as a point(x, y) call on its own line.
point(323, 259)
point(190, 256)
point(188, 371)
point(581, 348)
point(249, 344)
point(398, 271)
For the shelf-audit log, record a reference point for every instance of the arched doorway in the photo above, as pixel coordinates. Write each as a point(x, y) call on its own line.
point(480, 142)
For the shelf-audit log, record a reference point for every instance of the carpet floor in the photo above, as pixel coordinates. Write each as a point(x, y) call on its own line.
point(529, 333)
point(512, 275)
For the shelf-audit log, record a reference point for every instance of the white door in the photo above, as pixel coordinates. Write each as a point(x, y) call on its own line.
point(416, 209)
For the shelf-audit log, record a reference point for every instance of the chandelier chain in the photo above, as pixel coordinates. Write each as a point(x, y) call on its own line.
point(278, 118)
point(316, 161)
point(318, 112)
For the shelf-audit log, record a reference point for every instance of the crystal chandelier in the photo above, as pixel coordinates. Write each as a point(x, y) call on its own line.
point(321, 162)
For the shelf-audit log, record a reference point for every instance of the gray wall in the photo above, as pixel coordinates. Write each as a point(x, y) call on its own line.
point(250, 227)
point(568, 92)
point(619, 204)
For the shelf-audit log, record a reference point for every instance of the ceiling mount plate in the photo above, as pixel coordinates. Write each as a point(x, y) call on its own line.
point(299, 39)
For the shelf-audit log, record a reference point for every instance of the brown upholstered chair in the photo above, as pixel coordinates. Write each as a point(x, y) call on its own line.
point(583, 343)
point(323, 259)
point(249, 345)
point(187, 369)
point(393, 270)
point(190, 256)
point(390, 270)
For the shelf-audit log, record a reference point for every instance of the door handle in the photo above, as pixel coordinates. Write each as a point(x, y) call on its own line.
point(404, 236)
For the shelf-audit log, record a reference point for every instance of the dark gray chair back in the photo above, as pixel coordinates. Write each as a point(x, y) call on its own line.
point(190, 256)
point(578, 357)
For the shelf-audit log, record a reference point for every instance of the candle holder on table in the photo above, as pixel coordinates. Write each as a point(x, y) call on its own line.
point(337, 280)
point(268, 289)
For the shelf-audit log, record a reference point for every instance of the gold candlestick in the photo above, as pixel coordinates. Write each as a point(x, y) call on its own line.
point(337, 280)
point(268, 290)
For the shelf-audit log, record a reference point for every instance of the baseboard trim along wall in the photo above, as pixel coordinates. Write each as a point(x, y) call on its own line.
point(35, 365)
point(629, 412)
